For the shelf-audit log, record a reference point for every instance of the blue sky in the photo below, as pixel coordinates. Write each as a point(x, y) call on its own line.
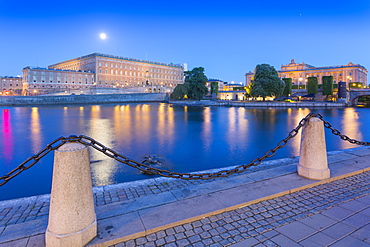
point(227, 38)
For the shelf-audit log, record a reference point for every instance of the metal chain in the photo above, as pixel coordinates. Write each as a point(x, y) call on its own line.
point(337, 132)
point(88, 141)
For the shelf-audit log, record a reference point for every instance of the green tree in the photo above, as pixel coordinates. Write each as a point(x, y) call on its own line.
point(180, 92)
point(327, 85)
point(288, 86)
point(266, 82)
point(196, 81)
point(312, 85)
point(194, 86)
point(214, 87)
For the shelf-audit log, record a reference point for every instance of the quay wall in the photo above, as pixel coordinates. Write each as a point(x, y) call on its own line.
point(258, 104)
point(82, 99)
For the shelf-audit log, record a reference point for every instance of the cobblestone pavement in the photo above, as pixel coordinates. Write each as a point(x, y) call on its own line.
point(38, 210)
point(261, 224)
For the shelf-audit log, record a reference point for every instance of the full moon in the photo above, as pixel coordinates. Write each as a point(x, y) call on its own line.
point(103, 36)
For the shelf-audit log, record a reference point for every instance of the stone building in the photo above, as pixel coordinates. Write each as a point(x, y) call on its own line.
point(126, 73)
point(10, 85)
point(300, 71)
point(37, 81)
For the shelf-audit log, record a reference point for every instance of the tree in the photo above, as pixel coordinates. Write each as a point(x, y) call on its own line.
point(214, 87)
point(266, 82)
point(288, 86)
point(327, 85)
point(194, 86)
point(180, 92)
point(312, 85)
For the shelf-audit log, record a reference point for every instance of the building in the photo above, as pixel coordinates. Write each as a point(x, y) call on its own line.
point(220, 84)
point(10, 85)
point(126, 73)
point(300, 71)
point(37, 81)
point(232, 91)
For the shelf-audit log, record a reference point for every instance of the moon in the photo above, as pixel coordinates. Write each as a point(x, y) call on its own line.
point(103, 36)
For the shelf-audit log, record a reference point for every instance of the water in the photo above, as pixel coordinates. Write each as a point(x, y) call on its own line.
point(189, 138)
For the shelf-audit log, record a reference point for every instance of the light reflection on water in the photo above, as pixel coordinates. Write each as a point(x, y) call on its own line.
point(189, 138)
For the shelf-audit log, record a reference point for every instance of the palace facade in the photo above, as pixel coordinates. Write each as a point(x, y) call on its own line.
point(300, 71)
point(121, 72)
point(37, 81)
point(102, 71)
point(10, 85)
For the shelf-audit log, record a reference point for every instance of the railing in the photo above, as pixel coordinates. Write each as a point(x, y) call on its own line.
point(88, 141)
point(72, 219)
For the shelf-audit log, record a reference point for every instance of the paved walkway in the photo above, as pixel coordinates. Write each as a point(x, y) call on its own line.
point(270, 205)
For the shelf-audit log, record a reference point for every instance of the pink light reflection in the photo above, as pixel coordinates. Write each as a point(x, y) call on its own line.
point(7, 136)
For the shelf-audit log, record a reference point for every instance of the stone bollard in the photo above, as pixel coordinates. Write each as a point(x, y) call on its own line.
point(72, 218)
point(313, 161)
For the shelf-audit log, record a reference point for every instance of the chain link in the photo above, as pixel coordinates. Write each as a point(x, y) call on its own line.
point(88, 141)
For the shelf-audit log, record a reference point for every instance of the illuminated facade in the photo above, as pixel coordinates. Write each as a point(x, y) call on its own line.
point(300, 71)
point(10, 85)
point(38, 81)
point(126, 73)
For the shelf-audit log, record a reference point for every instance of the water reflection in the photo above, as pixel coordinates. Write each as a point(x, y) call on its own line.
point(190, 138)
point(35, 128)
point(293, 120)
point(350, 127)
point(101, 129)
point(206, 133)
point(7, 138)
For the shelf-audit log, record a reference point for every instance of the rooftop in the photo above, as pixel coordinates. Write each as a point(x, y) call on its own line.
point(120, 58)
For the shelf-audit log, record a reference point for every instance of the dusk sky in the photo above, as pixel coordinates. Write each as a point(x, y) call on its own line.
point(227, 38)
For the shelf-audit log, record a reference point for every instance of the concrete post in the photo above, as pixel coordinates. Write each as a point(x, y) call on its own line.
point(72, 218)
point(313, 161)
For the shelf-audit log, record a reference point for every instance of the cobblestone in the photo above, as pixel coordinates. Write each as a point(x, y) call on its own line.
point(237, 225)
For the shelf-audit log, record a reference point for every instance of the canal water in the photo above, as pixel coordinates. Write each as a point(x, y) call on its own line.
point(186, 138)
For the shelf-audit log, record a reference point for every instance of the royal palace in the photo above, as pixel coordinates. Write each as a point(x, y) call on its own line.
point(96, 73)
point(300, 71)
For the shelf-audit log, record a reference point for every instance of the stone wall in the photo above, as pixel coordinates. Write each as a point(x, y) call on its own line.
point(258, 103)
point(82, 99)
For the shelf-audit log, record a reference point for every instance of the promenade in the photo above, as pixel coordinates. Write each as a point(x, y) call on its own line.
point(268, 205)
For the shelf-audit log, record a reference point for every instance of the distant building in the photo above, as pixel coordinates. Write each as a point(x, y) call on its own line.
point(10, 85)
point(121, 72)
point(220, 84)
point(38, 81)
point(232, 91)
point(300, 71)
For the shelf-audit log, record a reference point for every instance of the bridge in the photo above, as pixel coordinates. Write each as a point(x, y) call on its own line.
point(354, 94)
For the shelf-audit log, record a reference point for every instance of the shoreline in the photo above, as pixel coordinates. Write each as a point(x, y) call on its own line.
point(151, 97)
point(82, 99)
point(256, 104)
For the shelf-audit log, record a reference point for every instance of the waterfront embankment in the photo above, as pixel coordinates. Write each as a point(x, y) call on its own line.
point(257, 103)
point(82, 99)
point(268, 202)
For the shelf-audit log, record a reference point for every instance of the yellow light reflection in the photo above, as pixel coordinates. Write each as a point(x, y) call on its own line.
point(293, 120)
point(166, 124)
point(350, 127)
point(207, 129)
point(237, 128)
point(102, 129)
point(35, 127)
